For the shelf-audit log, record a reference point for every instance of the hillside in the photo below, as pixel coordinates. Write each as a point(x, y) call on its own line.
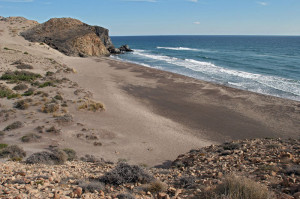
point(71, 37)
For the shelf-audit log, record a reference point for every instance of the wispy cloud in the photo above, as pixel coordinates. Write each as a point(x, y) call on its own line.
point(262, 3)
point(196, 22)
point(195, 1)
point(17, 1)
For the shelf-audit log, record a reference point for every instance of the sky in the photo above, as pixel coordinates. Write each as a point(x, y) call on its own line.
point(168, 17)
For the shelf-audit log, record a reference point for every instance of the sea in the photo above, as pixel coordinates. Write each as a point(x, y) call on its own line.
point(263, 64)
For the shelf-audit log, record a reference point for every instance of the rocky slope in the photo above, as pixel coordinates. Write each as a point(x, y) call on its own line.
point(270, 164)
point(71, 37)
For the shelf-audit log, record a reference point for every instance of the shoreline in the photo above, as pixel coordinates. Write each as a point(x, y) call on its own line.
point(215, 83)
point(221, 101)
point(151, 116)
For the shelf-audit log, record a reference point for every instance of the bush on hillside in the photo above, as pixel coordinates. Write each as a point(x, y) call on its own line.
point(45, 157)
point(13, 152)
point(234, 187)
point(125, 173)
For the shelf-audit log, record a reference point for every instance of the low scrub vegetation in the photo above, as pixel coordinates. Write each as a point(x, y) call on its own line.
point(50, 108)
point(125, 173)
point(91, 186)
point(51, 158)
point(70, 153)
point(234, 187)
point(31, 137)
point(20, 87)
point(24, 66)
point(18, 76)
point(2, 146)
point(13, 126)
point(13, 152)
point(91, 105)
point(156, 186)
point(6, 92)
point(22, 104)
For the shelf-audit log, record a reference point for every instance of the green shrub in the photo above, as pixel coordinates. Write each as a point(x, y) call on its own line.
point(2, 146)
point(29, 92)
point(30, 137)
point(17, 76)
point(6, 92)
point(70, 153)
point(46, 84)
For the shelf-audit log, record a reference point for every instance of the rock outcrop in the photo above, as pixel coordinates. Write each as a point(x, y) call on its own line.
point(71, 37)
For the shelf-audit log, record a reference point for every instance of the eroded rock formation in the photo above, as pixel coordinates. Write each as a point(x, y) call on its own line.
point(71, 37)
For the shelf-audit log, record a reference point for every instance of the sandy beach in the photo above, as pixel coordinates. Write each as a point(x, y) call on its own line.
point(150, 116)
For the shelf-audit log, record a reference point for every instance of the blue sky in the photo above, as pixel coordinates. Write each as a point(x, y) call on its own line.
point(169, 17)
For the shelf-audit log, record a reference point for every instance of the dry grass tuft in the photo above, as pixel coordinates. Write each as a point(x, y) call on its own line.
point(91, 105)
point(234, 187)
point(50, 108)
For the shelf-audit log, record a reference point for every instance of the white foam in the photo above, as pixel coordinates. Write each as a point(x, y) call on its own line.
point(258, 82)
point(178, 48)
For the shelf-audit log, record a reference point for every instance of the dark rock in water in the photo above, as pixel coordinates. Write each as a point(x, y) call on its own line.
point(122, 49)
point(71, 37)
point(114, 50)
point(125, 48)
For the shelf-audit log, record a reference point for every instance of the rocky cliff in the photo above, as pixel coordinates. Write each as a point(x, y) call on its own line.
point(71, 37)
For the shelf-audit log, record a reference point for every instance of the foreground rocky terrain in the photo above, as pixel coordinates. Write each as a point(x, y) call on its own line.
point(263, 168)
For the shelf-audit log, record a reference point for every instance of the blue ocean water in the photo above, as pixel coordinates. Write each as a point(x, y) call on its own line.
point(263, 64)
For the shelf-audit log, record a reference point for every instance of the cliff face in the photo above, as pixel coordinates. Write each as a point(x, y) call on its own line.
point(71, 37)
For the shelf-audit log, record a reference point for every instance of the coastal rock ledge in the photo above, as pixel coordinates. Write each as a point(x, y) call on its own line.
point(71, 37)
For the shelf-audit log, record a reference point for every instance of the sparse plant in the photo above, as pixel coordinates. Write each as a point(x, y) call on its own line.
point(51, 158)
point(13, 126)
point(231, 146)
point(91, 186)
point(6, 92)
point(125, 196)
point(91, 105)
point(64, 119)
point(234, 187)
point(31, 137)
point(97, 144)
point(20, 87)
point(2, 146)
point(187, 181)
point(125, 173)
point(46, 84)
point(53, 129)
point(29, 92)
point(26, 53)
point(156, 186)
point(50, 108)
point(12, 152)
point(70, 153)
point(17, 76)
point(22, 104)
point(24, 66)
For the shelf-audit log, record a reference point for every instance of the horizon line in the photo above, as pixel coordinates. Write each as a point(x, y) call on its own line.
point(262, 35)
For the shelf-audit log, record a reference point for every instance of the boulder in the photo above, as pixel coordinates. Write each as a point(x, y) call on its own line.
point(125, 48)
